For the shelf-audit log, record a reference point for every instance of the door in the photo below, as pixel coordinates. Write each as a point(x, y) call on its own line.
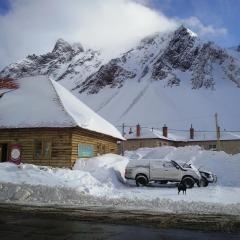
point(170, 172)
point(156, 169)
point(3, 152)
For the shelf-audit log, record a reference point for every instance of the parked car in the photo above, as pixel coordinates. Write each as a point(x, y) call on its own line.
point(144, 171)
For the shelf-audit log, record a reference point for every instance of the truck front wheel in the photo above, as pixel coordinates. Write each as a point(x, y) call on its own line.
point(188, 182)
point(141, 180)
point(203, 182)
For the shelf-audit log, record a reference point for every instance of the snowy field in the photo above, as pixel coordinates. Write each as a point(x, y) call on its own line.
point(100, 182)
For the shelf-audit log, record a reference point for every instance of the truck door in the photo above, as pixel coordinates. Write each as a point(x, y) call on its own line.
point(156, 168)
point(170, 172)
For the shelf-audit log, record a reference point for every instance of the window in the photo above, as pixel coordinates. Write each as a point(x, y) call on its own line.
point(85, 150)
point(47, 147)
point(38, 149)
point(168, 165)
point(212, 147)
point(42, 149)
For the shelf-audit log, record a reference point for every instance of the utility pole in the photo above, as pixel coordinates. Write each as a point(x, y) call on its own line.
point(122, 144)
point(217, 132)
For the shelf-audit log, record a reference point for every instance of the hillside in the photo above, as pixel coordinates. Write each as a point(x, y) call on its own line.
point(174, 78)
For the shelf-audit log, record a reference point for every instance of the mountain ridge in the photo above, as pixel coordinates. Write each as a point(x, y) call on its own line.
point(170, 78)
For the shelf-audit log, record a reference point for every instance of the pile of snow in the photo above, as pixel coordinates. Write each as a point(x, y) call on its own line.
point(108, 169)
point(96, 176)
point(100, 182)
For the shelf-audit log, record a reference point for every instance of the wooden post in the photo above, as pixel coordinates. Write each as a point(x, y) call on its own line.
point(217, 132)
point(122, 144)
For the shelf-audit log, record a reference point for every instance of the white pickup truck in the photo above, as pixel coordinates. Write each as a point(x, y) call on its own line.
point(144, 171)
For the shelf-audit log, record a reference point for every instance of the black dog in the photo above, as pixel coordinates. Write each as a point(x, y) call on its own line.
point(182, 187)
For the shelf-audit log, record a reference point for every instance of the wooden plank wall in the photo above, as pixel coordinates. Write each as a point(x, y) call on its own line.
point(228, 146)
point(60, 138)
point(102, 143)
point(133, 144)
point(64, 143)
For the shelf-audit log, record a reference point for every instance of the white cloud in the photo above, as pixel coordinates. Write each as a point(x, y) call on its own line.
point(202, 30)
point(34, 26)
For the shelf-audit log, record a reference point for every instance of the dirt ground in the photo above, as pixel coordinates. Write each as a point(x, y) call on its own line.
point(221, 223)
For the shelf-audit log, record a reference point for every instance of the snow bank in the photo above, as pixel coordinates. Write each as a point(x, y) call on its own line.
point(100, 181)
point(108, 169)
point(95, 176)
point(41, 195)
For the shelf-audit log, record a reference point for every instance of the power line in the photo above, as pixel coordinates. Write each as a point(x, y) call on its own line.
point(178, 130)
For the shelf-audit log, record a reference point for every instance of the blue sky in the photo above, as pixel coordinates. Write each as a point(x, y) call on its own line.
point(4, 6)
point(219, 13)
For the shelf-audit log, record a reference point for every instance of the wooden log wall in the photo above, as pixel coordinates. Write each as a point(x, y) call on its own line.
point(64, 144)
point(60, 139)
point(101, 143)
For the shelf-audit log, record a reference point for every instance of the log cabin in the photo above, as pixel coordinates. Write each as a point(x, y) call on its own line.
point(43, 123)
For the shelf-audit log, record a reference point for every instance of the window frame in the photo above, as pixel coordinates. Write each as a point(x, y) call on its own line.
point(43, 142)
point(212, 147)
point(87, 146)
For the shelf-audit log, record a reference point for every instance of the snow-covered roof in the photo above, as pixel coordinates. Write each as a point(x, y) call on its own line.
point(42, 102)
point(147, 133)
point(174, 135)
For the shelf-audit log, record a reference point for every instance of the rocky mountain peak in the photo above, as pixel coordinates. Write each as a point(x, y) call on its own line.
point(62, 46)
point(65, 61)
point(184, 31)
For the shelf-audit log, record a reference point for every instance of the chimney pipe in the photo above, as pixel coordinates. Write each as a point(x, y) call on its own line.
point(138, 130)
point(191, 132)
point(130, 131)
point(165, 131)
point(218, 133)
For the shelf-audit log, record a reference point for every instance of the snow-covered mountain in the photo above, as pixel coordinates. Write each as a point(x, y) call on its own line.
point(174, 78)
point(161, 57)
point(68, 63)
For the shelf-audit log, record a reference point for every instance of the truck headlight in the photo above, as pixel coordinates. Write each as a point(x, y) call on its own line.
point(128, 171)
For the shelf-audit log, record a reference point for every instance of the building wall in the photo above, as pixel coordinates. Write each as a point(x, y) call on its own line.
point(228, 146)
point(101, 143)
point(133, 144)
point(60, 139)
point(64, 144)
